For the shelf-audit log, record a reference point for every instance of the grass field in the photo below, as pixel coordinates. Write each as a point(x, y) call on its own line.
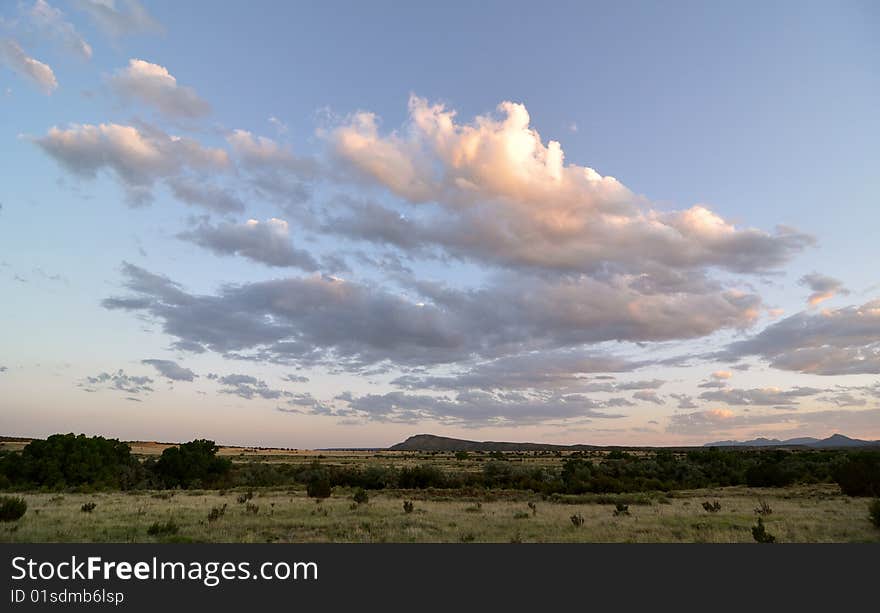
point(799, 514)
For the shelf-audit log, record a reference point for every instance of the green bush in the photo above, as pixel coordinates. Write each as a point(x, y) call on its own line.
point(319, 487)
point(360, 496)
point(760, 534)
point(859, 475)
point(12, 508)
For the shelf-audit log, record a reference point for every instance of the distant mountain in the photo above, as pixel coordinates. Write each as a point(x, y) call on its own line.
point(429, 442)
point(833, 441)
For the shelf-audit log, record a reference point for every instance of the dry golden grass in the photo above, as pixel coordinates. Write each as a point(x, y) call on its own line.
point(800, 514)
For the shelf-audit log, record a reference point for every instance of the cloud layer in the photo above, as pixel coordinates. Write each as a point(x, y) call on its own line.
point(507, 198)
point(842, 341)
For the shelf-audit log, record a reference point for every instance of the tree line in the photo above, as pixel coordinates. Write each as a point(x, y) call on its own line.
point(65, 461)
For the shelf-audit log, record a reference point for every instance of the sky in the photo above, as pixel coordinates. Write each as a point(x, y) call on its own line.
point(339, 224)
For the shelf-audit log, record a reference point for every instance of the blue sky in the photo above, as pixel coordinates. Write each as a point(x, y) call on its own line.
point(333, 224)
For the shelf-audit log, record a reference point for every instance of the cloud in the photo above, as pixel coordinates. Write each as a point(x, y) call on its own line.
point(248, 387)
point(506, 198)
point(120, 17)
point(844, 399)
point(14, 57)
point(138, 157)
point(119, 381)
point(767, 396)
point(476, 408)
point(544, 370)
point(267, 242)
point(171, 370)
point(831, 342)
point(717, 379)
point(274, 171)
point(723, 421)
point(648, 396)
point(685, 401)
point(326, 319)
point(280, 126)
point(153, 85)
point(207, 196)
point(51, 21)
point(823, 287)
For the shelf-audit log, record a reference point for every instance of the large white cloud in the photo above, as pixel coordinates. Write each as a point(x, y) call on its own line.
point(153, 85)
point(507, 198)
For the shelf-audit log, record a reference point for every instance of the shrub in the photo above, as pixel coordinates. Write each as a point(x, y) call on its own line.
point(712, 507)
point(874, 512)
point(860, 474)
point(760, 534)
point(461, 455)
point(217, 512)
point(577, 520)
point(88, 507)
point(408, 506)
point(319, 487)
point(621, 509)
point(770, 473)
point(763, 508)
point(12, 508)
point(360, 496)
point(163, 528)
